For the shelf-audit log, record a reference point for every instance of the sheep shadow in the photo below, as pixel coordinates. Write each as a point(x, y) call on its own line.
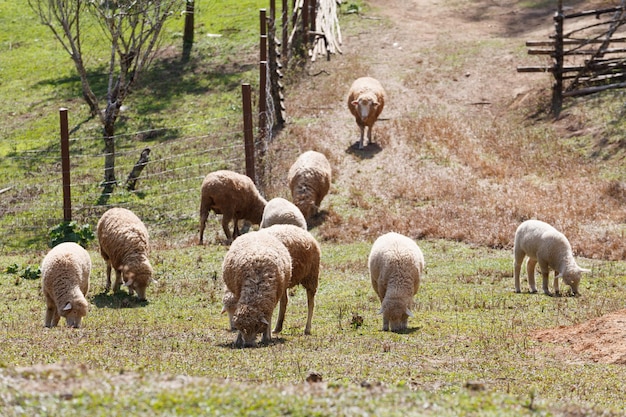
point(275, 341)
point(317, 219)
point(118, 300)
point(368, 152)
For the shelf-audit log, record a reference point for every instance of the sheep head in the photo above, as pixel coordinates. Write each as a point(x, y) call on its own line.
point(365, 105)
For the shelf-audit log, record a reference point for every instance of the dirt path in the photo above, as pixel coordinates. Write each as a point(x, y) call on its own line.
point(429, 55)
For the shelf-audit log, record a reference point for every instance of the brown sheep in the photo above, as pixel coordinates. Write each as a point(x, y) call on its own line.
point(309, 181)
point(232, 195)
point(366, 100)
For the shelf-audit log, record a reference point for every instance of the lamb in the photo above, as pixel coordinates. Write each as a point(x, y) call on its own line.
point(65, 274)
point(395, 264)
point(125, 246)
point(366, 100)
point(545, 245)
point(234, 196)
point(281, 211)
point(256, 269)
point(305, 262)
point(309, 181)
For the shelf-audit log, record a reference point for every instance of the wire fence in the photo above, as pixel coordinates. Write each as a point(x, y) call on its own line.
point(166, 197)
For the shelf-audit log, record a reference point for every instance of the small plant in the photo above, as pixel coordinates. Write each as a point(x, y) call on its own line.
point(29, 272)
point(71, 232)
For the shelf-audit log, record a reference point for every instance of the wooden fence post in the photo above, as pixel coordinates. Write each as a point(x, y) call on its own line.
point(285, 37)
point(246, 98)
point(65, 166)
point(557, 72)
point(189, 28)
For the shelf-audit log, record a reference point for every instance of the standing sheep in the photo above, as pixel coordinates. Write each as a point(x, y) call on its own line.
point(395, 264)
point(256, 270)
point(125, 246)
point(545, 245)
point(281, 211)
point(309, 181)
point(65, 282)
point(234, 196)
point(366, 100)
point(305, 266)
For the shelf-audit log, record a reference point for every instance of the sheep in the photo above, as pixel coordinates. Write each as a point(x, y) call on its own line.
point(65, 274)
point(281, 211)
point(545, 245)
point(309, 181)
point(366, 100)
point(256, 269)
point(305, 262)
point(395, 264)
point(124, 246)
point(234, 196)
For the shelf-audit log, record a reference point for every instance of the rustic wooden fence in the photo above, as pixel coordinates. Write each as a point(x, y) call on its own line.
point(588, 51)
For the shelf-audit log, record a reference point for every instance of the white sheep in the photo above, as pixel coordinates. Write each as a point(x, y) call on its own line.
point(309, 181)
point(256, 269)
point(125, 247)
point(305, 266)
point(548, 247)
point(281, 211)
point(232, 195)
point(395, 264)
point(65, 274)
point(366, 100)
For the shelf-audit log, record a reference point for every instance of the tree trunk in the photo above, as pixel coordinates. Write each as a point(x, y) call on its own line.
point(109, 158)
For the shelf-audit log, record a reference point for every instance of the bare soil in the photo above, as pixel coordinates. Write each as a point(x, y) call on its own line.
point(433, 54)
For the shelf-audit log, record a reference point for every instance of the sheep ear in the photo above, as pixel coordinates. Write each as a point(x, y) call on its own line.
point(154, 281)
point(380, 310)
point(408, 313)
point(129, 282)
point(67, 307)
point(223, 310)
point(584, 270)
point(264, 321)
point(355, 103)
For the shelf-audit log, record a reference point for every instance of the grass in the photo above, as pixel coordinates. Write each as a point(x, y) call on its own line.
point(469, 349)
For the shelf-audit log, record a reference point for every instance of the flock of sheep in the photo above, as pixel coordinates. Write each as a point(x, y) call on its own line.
point(260, 266)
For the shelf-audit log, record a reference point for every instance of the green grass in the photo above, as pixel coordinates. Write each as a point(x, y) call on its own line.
point(469, 350)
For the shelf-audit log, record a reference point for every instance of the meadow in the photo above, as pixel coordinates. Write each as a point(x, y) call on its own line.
point(471, 347)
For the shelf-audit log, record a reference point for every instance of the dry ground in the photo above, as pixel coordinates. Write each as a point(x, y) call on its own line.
point(449, 160)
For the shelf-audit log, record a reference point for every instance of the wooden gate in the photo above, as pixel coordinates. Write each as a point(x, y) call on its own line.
point(589, 55)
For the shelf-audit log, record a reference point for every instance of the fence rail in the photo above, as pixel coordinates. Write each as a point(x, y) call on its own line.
point(588, 55)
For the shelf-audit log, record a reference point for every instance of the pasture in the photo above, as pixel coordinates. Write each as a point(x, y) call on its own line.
point(442, 172)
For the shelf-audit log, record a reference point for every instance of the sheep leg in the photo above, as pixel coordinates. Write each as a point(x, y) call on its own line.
point(385, 324)
point(225, 221)
point(204, 215)
point(281, 313)
point(108, 284)
point(118, 281)
point(362, 127)
point(267, 334)
point(517, 271)
point(545, 271)
point(236, 231)
point(556, 283)
point(52, 317)
point(369, 135)
point(239, 342)
point(530, 267)
point(310, 297)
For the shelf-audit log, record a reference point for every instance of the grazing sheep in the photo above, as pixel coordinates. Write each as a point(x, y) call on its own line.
point(256, 269)
point(125, 246)
point(65, 281)
point(545, 245)
point(366, 100)
point(309, 181)
point(305, 266)
point(395, 264)
point(281, 211)
point(232, 195)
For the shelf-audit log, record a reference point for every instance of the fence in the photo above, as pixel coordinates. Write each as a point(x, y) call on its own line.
point(588, 56)
point(171, 170)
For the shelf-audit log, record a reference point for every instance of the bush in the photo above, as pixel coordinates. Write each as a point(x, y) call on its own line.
point(71, 232)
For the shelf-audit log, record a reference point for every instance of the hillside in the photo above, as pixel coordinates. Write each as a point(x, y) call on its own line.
point(465, 149)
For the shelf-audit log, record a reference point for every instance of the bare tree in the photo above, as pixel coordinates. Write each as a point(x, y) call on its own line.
point(132, 28)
